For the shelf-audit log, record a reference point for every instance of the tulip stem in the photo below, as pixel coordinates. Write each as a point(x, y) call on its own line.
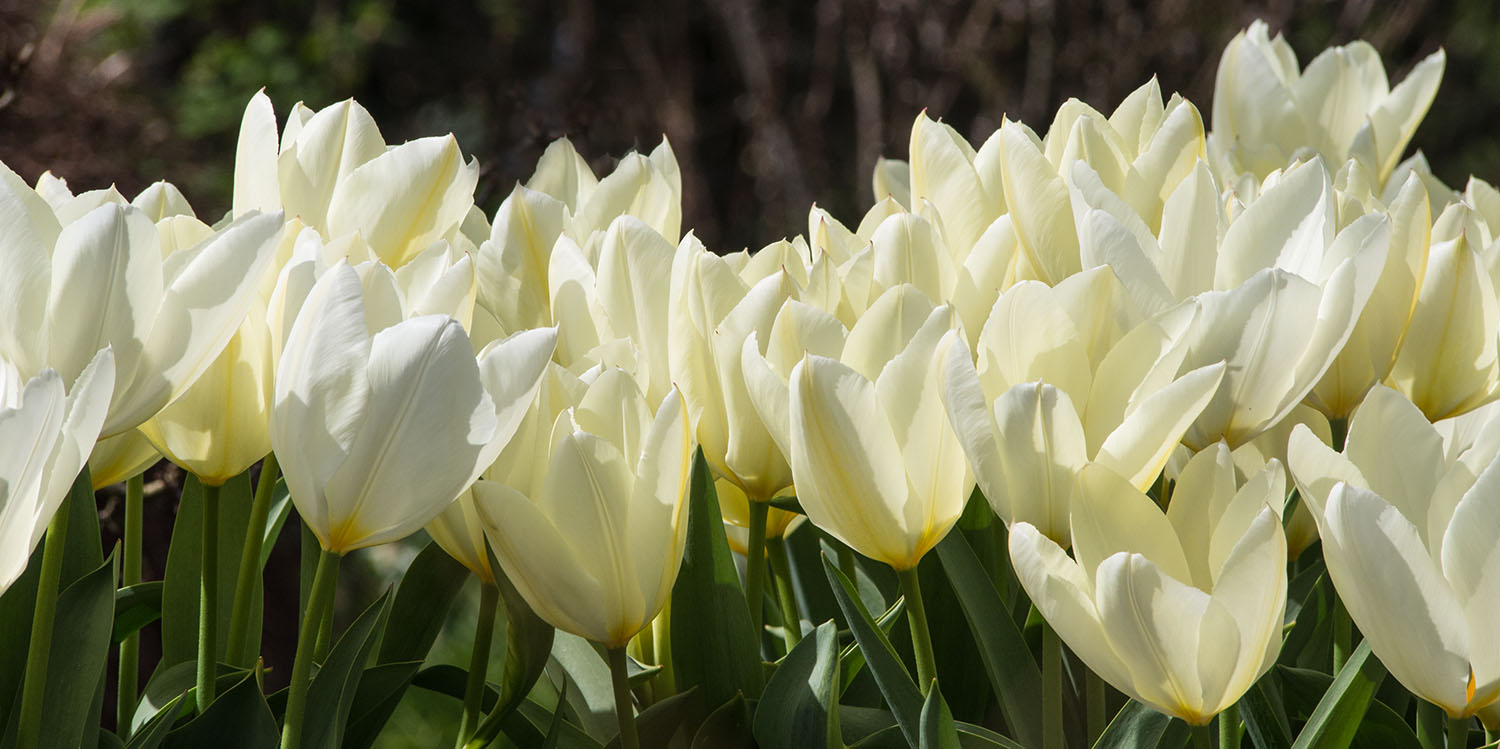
point(241, 652)
point(1203, 737)
point(781, 569)
point(1094, 703)
point(624, 704)
point(1053, 735)
point(1458, 732)
point(479, 662)
point(128, 690)
point(1229, 727)
point(921, 637)
point(34, 689)
point(208, 598)
point(319, 600)
point(755, 565)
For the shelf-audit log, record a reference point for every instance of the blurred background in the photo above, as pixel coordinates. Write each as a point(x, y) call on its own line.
point(770, 105)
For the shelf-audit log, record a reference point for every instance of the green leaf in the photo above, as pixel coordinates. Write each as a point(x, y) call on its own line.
point(937, 729)
point(1265, 715)
point(330, 698)
point(728, 726)
point(167, 684)
point(592, 696)
point(979, 737)
point(787, 503)
point(527, 721)
point(554, 731)
point(17, 607)
point(890, 674)
point(671, 722)
point(380, 691)
point(238, 719)
point(180, 582)
point(799, 705)
point(720, 651)
point(639, 674)
point(85, 550)
point(135, 607)
point(1338, 715)
point(77, 656)
point(528, 642)
point(852, 659)
point(1137, 726)
point(423, 597)
point(281, 509)
point(154, 731)
point(1007, 659)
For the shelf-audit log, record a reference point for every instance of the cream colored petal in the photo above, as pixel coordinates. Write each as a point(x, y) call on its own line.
point(320, 153)
point(1204, 488)
point(1039, 204)
point(635, 265)
point(1041, 451)
point(885, 329)
point(563, 174)
point(1110, 516)
point(1192, 218)
point(974, 425)
point(1030, 336)
point(615, 409)
point(66, 446)
point(511, 266)
point(1397, 451)
point(1288, 226)
point(658, 505)
point(908, 250)
point(511, 372)
point(1397, 596)
point(942, 170)
point(460, 533)
point(28, 231)
point(255, 183)
point(123, 456)
point(1252, 589)
point(1140, 446)
point(405, 199)
point(1317, 468)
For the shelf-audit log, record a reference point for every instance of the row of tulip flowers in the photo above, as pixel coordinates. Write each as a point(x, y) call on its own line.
point(1224, 397)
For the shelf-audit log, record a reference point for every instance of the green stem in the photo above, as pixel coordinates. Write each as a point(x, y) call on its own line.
point(1229, 727)
point(1458, 732)
point(320, 600)
point(624, 705)
point(241, 652)
point(479, 662)
point(755, 565)
point(781, 570)
point(1430, 719)
point(35, 686)
point(208, 598)
point(1053, 736)
point(921, 637)
point(128, 692)
point(1203, 737)
point(1095, 703)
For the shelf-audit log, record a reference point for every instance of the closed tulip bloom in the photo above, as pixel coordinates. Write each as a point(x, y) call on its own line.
point(123, 456)
point(594, 539)
point(380, 422)
point(48, 431)
point(964, 185)
point(67, 291)
point(875, 462)
point(1179, 610)
point(1408, 526)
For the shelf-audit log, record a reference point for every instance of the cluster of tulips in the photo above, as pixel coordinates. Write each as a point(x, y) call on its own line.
point(1225, 396)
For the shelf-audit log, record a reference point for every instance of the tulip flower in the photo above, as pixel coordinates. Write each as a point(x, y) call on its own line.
point(1408, 526)
point(1042, 405)
point(67, 291)
point(1267, 111)
point(1180, 610)
point(964, 185)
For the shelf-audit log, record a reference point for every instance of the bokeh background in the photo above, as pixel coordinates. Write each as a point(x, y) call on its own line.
point(770, 105)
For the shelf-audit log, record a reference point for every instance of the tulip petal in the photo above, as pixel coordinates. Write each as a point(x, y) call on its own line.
point(1042, 451)
point(1109, 516)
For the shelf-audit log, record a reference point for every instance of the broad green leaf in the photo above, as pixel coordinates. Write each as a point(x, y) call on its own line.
point(180, 583)
point(167, 684)
point(85, 550)
point(530, 722)
point(154, 731)
point(1338, 715)
point(1137, 726)
point(380, 691)
point(135, 607)
point(720, 652)
point(1007, 659)
point(901, 694)
point(852, 659)
point(330, 698)
point(937, 729)
point(238, 719)
point(787, 503)
point(592, 693)
point(281, 509)
point(728, 727)
point(17, 607)
point(554, 731)
point(77, 656)
point(423, 597)
point(799, 705)
point(1264, 714)
point(639, 674)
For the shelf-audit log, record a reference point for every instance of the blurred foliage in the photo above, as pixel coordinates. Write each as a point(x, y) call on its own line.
point(770, 105)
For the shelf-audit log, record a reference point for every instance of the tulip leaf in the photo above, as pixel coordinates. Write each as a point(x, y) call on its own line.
point(1264, 714)
point(180, 583)
point(671, 722)
point(787, 503)
point(77, 656)
point(281, 509)
point(85, 550)
point(852, 659)
point(423, 597)
point(937, 729)
point(890, 674)
point(528, 645)
point(1337, 717)
point(239, 718)
point(135, 607)
point(153, 732)
point(530, 719)
point(1137, 726)
point(1007, 659)
point(554, 731)
point(380, 691)
point(17, 607)
point(799, 707)
point(592, 696)
point(169, 683)
point(330, 698)
point(720, 652)
point(640, 674)
point(728, 726)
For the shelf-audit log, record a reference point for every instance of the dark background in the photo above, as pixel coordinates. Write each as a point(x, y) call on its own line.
point(769, 105)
